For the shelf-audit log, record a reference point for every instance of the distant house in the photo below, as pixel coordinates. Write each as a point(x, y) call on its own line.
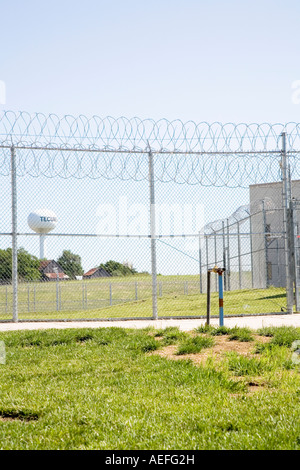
point(50, 270)
point(96, 272)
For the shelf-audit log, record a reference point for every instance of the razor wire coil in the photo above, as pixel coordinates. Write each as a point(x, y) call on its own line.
point(216, 154)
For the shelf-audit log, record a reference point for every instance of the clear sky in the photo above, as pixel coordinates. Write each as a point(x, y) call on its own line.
point(200, 60)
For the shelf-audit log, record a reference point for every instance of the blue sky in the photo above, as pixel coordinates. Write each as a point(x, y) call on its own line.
point(228, 61)
point(232, 61)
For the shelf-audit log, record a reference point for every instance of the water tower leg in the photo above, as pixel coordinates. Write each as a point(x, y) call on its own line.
point(42, 246)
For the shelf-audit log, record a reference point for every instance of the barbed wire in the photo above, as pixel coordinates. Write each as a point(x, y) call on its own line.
point(215, 154)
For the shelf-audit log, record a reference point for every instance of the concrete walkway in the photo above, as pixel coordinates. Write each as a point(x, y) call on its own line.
point(253, 322)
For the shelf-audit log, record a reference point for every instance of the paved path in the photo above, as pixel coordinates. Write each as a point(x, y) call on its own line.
point(253, 322)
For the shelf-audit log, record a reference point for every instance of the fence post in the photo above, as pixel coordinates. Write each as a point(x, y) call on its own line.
point(57, 293)
point(110, 294)
point(34, 300)
point(28, 298)
point(224, 253)
point(286, 225)
point(239, 255)
point(208, 298)
point(221, 311)
point(251, 250)
point(200, 264)
point(83, 297)
point(264, 215)
point(14, 233)
point(152, 235)
point(216, 260)
point(6, 300)
point(228, 257)
point(295, 250)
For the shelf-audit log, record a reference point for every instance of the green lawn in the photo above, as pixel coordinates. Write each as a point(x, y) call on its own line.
point(105, 389)
point(132, 298)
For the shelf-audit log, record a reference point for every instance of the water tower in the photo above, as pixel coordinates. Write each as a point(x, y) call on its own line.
point(42, 221)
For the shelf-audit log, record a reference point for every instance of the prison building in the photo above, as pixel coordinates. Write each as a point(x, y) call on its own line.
point(267, 233)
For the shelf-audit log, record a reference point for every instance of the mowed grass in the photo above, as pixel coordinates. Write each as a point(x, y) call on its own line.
point(107, 388)
point(172, 303)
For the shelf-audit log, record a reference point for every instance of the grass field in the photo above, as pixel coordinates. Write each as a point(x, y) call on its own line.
point(113, 388)
point(131, 297)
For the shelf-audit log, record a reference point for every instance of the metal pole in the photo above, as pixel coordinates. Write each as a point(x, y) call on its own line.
point(295, 249)
point(28, 298)
point(208, 299)
point(34, 298)
point(153, 239)
point(42, 246)
point(216, 261)
point(286, 204)
point(228, 257)
point(83, 299)
point(239, 255)
point(14, 234)
point(251, 251)
point(110, 294)
point(57, 292)
point(206, 249)
point(266, 242)
point(224, 254)
point(200, 264)
point(221, 312)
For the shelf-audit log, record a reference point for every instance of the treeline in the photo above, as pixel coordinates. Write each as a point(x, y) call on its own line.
point(118, 269)
point(29, 266)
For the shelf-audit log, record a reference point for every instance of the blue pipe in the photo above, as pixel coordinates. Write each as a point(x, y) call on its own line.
point(221, 312)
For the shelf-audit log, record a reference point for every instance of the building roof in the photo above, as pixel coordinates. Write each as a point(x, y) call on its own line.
point(44, 264)
point(54, 275)
point(91, 271)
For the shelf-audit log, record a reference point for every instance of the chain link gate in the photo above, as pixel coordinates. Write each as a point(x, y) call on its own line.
point(155, 175)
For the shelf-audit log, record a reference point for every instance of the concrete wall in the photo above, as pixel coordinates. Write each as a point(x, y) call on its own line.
point(268, 257)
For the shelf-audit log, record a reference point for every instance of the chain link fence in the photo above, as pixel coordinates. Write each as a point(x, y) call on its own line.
point(132, 203)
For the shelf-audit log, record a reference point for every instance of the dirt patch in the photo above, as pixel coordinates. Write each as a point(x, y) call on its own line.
point(17, 415)
point(222, 346)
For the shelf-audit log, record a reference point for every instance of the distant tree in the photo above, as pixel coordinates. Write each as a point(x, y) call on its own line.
point(114, 268)
point(5, 264)
point(28, 266)
point(71, 264)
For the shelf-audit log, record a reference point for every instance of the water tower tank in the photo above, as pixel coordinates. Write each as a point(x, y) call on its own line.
point(42, 221)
